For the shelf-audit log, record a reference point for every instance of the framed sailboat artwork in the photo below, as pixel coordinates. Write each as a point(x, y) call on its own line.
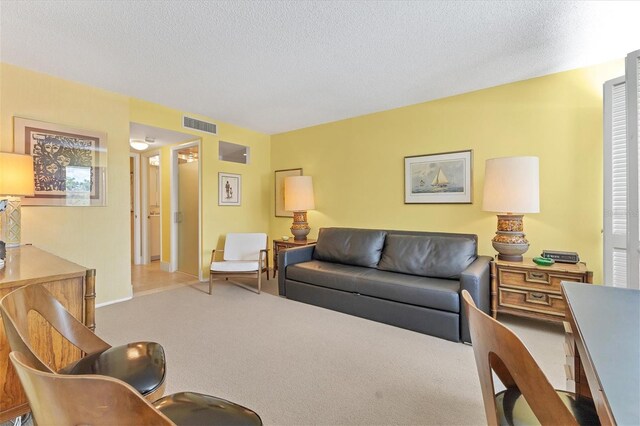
point(441, 178)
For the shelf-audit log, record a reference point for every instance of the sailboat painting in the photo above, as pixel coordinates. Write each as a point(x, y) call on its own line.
point(438, 178)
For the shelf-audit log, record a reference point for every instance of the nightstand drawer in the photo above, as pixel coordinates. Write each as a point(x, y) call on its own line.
point(532, 301)
point(535, 279)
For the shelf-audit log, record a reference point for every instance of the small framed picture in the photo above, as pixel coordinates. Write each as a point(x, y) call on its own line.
point(438, 178)
point(229, 189)
point(279, 190)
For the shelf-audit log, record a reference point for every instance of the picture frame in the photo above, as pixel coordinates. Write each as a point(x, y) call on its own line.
point(280, 176)
point(229, 189)
point(70, 164)
point(442, 178)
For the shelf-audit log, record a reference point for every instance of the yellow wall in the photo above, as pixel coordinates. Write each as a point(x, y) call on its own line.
point(217, 221)
point(99, 237)
point(357, 164)
point(95, 237)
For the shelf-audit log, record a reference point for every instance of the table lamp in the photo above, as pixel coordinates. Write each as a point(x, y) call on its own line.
point(511, 188)
point(298, 198)
point(16, 180)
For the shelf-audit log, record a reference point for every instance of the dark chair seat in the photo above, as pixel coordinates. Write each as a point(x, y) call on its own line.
point(190, 408)
point(139, 364)
point(513, 409)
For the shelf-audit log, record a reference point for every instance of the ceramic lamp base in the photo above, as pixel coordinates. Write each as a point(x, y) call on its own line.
point(300, 228)
point(510, 241)
point(11, 222)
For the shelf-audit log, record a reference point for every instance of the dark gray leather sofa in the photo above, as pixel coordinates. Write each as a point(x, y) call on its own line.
point(408, 279)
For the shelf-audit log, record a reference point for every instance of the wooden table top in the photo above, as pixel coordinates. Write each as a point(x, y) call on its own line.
point(28, 264)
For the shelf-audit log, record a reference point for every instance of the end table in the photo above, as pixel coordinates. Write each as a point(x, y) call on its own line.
point(529, 290)
point(282, 245)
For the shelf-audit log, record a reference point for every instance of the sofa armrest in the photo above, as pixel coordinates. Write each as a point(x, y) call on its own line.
point(476, 279)
point(291, 256)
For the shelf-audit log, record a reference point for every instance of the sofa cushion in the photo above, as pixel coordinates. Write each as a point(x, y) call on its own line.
point(360, 247)
point(428, 292)
point(429, 256)
point(327, 274)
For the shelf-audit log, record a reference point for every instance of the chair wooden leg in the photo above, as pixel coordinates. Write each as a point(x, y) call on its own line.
point(210, 282)
point(259, 280)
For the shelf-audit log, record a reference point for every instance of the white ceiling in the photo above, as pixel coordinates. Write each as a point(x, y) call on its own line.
point(275, 66)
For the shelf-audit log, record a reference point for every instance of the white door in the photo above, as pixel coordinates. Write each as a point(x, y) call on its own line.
point(622, 177)
point(615, 188)
point(632, 79)
point(188, 231)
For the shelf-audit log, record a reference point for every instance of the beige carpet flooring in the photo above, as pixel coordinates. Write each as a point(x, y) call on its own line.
point(297, 364)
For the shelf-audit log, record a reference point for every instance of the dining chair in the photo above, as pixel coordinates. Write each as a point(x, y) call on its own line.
point(100, 400)
point(244, 255)
point(529, 398)
point(140, 364)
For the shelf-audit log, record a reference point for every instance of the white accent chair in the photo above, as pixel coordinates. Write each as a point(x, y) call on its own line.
point(245, 255)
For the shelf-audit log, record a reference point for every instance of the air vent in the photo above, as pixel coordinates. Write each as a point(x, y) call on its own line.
point(203, 126)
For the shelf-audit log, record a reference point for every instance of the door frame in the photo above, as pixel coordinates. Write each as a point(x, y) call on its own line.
point(173, 169)
point(144, 211)
point(137, 255)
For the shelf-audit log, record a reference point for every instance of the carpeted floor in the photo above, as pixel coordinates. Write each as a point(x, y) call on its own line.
point(297, 364)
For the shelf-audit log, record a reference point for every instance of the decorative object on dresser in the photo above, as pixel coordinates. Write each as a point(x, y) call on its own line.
point(283, 244)
point(72, 284)
point(529, 290)
point(69, 164)
point(511, 187)
point(280, 176)
point(438, 178)
point(16, 180)
point(298, 198)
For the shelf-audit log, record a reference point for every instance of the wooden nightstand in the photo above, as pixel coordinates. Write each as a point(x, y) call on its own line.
point(529, 290)
point(282, 244)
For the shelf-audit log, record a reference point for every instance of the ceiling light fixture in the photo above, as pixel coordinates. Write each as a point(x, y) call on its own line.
point(138, 144)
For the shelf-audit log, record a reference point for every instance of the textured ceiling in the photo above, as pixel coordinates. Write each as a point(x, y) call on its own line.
point(275, 66)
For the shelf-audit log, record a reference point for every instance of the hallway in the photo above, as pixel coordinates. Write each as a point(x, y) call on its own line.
point(147, 279)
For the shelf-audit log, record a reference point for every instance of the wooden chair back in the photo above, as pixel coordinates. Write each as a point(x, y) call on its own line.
point(83, 399)
point(15, 308)
point(498, 349)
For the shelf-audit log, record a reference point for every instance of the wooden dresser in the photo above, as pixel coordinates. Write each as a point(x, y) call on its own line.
point(529, 290)
point(71, 284)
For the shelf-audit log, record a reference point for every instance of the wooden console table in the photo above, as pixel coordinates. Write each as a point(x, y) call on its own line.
point(528, 290)
point(72, 285)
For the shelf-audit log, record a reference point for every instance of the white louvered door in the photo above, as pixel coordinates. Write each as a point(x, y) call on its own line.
point(615, 188)
point(622, 177)
point(632, 78)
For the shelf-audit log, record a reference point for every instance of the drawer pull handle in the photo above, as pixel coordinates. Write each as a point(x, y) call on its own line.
point(537, 296)
point(539, 276)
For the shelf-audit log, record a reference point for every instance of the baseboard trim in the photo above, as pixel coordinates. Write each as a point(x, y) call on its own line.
point(111, 302)
point(165, 266)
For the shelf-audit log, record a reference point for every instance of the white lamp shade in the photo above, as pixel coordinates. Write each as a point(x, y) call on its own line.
point(16, 174)
point(512, 185)
point(298, 194)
